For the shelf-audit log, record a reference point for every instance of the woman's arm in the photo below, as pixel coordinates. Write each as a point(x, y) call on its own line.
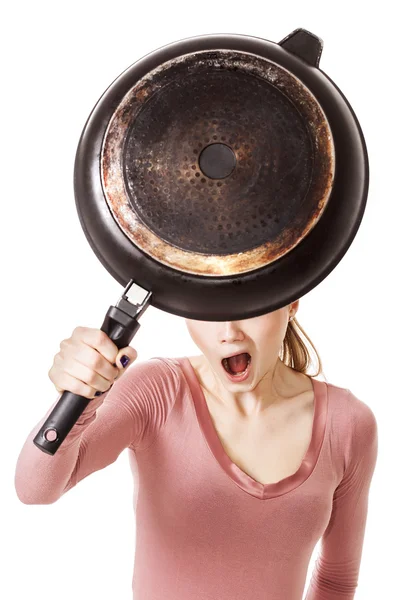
point(98, 437)
point(336, 570)
point(129, 414)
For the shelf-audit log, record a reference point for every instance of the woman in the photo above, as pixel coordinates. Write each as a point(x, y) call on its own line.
point(236, 480)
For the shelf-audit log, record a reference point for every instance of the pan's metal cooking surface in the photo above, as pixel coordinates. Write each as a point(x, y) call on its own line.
point(217, 163)
point(257, 199)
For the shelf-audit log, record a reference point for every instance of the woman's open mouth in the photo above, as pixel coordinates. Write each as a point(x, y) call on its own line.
point(237, 367)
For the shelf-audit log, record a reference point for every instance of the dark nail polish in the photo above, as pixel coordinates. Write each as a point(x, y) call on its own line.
point(124, 360)
point(98, 393)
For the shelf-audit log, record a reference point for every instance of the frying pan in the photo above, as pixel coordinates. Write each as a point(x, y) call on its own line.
point(224, 176)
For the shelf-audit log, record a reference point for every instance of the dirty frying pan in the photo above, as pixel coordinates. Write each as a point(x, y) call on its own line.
point(225, 175)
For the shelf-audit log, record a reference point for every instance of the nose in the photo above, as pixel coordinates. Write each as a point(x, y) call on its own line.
point(231, 331)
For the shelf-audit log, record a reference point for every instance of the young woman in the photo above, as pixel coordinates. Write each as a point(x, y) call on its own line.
point(237, 477)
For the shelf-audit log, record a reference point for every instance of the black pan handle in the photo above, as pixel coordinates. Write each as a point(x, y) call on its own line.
point(120, 324)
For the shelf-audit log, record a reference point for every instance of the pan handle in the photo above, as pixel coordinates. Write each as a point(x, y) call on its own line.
point(304, 44)
point(120, 324)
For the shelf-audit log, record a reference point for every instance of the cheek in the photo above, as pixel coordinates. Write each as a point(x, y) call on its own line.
point(269, 333)
point(198, 333)
point(266, 330)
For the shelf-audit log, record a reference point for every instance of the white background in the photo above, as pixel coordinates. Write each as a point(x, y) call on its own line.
point(57, 60)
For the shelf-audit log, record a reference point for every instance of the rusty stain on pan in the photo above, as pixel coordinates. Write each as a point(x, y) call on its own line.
point(173, 211)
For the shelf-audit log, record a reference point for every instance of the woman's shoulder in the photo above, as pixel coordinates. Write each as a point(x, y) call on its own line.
point(155, 372)
point(355, 411)
point(353, 430)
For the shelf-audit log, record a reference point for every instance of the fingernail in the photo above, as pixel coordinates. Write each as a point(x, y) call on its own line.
point(124, 360)
point(98, 393)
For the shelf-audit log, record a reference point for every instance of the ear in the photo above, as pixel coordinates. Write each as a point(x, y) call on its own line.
point(294, 306)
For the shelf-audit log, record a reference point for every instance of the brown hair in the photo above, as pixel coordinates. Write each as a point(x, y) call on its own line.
point(295, 352)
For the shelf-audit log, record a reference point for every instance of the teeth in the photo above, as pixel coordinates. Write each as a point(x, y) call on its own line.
point(226, 365)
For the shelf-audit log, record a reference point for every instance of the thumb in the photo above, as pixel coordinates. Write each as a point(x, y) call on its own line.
point(125, 353)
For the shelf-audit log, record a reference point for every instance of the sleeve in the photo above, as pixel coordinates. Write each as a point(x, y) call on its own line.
point(129, 414)
point(335, 573)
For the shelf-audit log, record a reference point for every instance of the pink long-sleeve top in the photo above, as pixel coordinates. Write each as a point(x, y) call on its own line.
point(204, 528)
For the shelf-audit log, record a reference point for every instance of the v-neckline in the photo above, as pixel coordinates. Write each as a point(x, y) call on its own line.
point(241, 478)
